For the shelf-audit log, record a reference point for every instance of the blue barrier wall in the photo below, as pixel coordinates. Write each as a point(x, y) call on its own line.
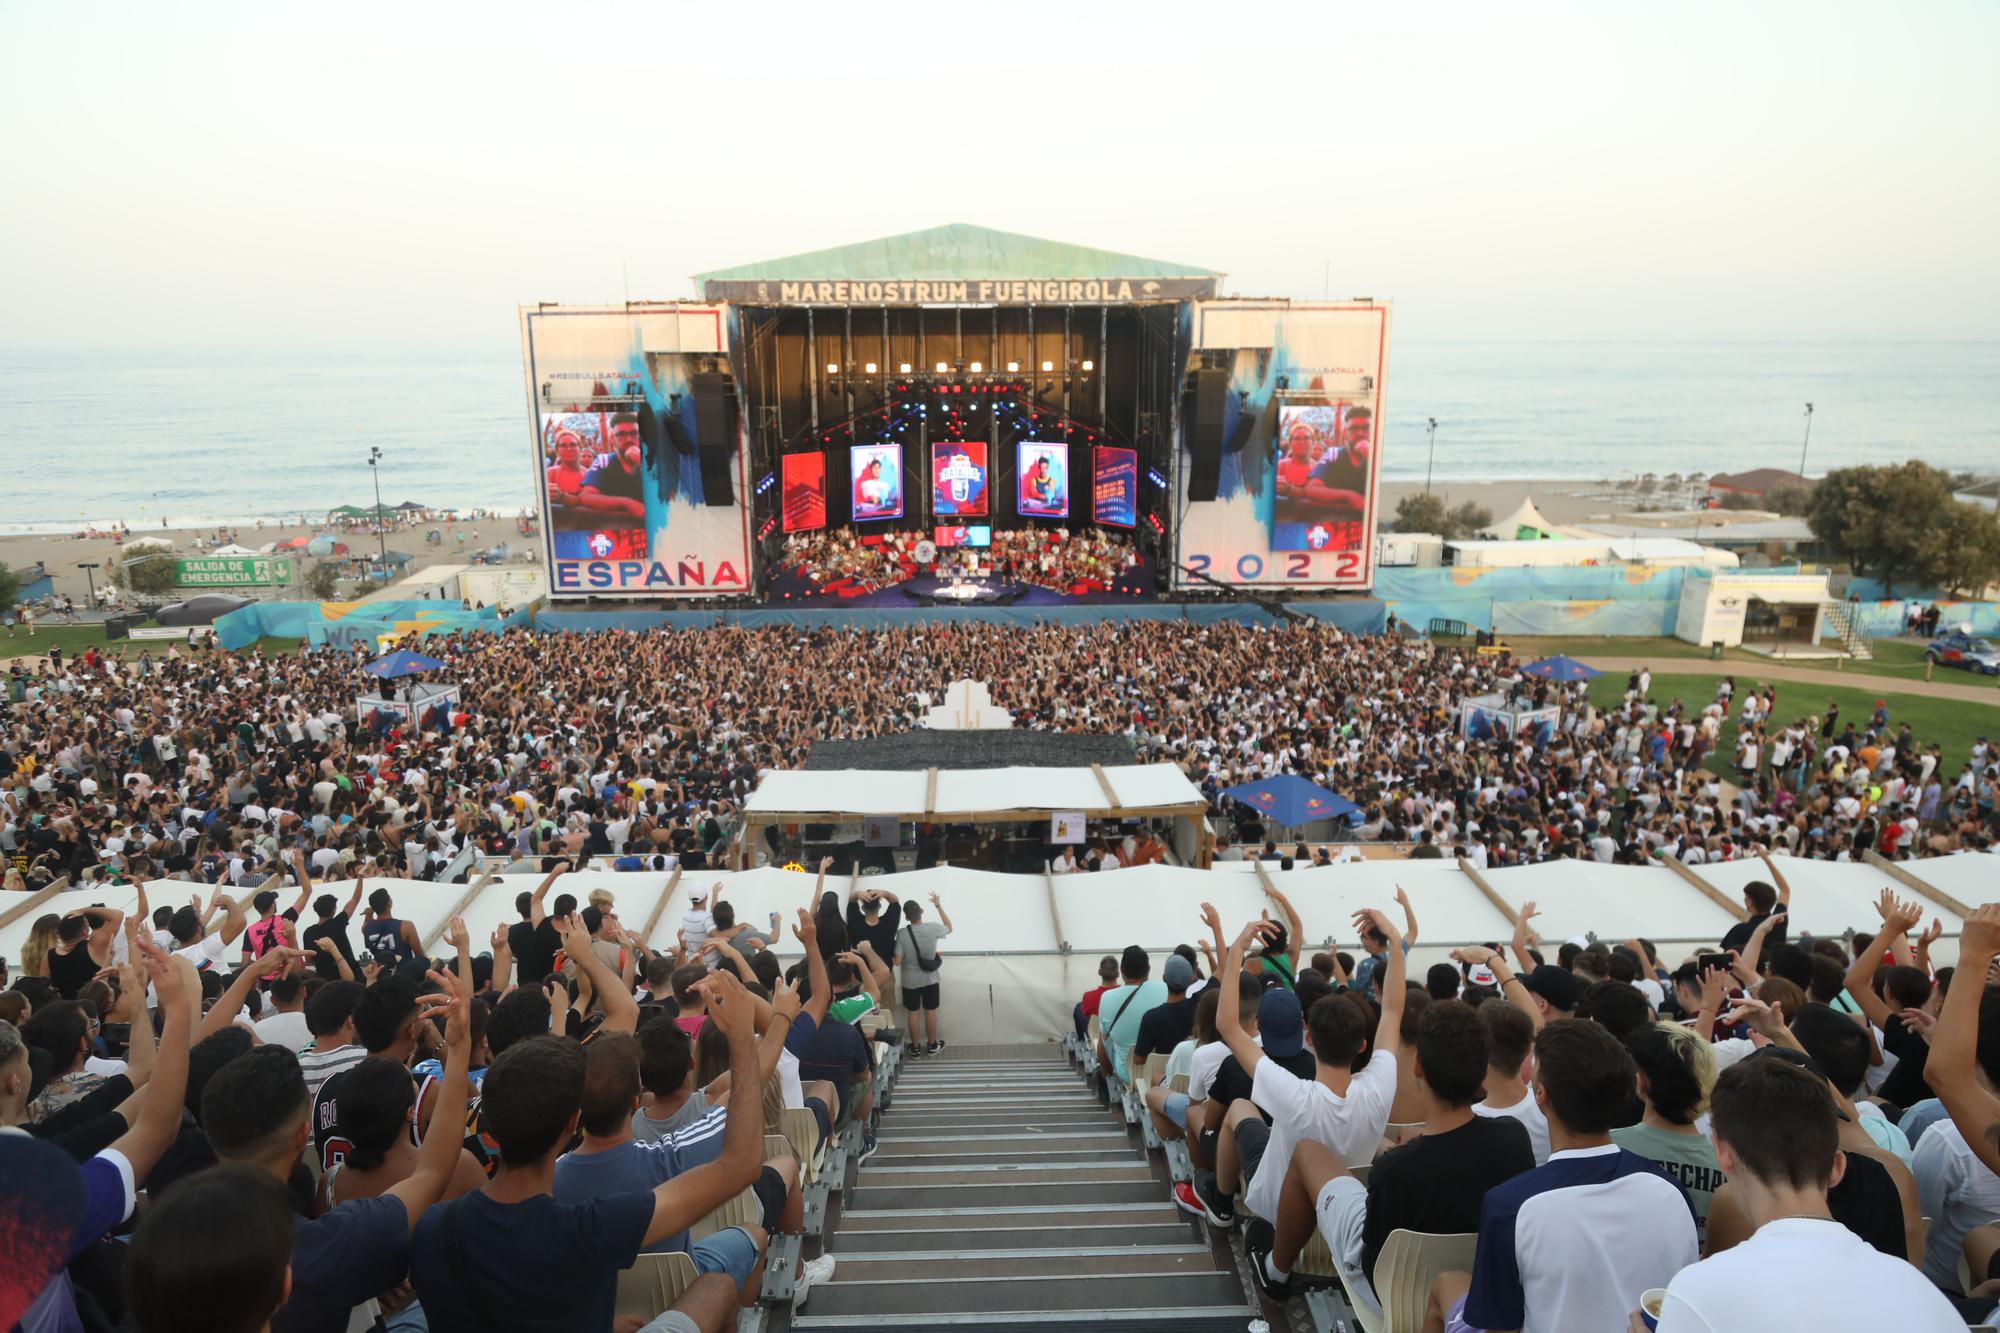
point(344, 623)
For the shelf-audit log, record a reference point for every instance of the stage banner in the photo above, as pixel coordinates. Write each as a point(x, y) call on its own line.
point(1041, 477)
point(958, 479)
point(1114, 492)
point(804, 492)
point(877, 470)
point(1296, 497)
point(617, 449)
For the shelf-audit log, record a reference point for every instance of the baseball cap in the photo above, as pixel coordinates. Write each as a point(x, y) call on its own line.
point(1178, 973)
point(1280, 1022)
point(1479, 974)
point(1556, 985)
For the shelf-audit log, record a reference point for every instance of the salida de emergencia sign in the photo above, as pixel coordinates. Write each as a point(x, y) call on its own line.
point(237, 571)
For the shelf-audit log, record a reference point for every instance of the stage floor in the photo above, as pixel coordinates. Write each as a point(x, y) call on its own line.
point(788, 586)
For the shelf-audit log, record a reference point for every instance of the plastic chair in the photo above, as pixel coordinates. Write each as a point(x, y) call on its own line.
point(801, 1132)
point(653, 1283)
point(1409, 1261)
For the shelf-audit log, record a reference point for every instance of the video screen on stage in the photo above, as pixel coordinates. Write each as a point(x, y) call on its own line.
point(976, 535)
point(594, 474)
point(1114, 490)
point(958, 479)
point(1041, 480)
point(1323, 469)
point(877, 470)
point(803, 498)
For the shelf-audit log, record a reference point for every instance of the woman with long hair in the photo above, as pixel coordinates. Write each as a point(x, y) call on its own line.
point(41, 939)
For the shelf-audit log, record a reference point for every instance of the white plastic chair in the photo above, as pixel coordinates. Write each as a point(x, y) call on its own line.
point(1409, 1262)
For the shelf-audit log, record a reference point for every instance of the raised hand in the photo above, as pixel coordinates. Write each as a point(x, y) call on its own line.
point(576, 940)
point(1980, 935)
point(456, 935)
point(785, 1000)
point(729, 1006)
point(1375, 918)
point(1211, 918)
point(825, 864)
point(499, 937)
point(807, 929)
point(1472, 955)
point(1714, 982)
point(1255, 930)
point(452, 1005)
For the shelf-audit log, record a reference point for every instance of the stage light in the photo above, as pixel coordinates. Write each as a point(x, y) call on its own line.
point(1089, 366)
point(869, 368)
point(903, 368)
point(1048, 366)
point(943, 368)
point(1013, 367)
point(976, 367)
point(832, 369)
point(770, 479)
point(1153, 475)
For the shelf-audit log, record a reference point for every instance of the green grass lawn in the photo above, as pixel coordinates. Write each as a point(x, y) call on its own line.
point(1947, 722)
point(75, 638)
point(1902, 661)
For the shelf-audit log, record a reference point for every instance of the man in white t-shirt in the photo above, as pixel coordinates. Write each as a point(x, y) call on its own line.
point(1776, 1138)
point(1344, 1110)
point(1510, 1037)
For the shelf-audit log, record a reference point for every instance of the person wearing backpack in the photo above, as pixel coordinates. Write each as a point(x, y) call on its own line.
point(917, 957)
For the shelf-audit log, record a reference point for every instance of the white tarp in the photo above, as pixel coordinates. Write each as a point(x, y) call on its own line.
point(969, 791)
point(1024, 947)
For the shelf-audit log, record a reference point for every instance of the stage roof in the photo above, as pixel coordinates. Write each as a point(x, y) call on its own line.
point(947, 795)
point(957, 251)
point(985, 748)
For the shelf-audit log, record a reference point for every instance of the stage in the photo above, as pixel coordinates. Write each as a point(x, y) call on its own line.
point(790, 585)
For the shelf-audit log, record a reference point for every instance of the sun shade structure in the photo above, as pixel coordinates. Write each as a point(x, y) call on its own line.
point(1561, 668)
point(956, 251)
point(402, 662)
point(974, 796)
point(1291, 800)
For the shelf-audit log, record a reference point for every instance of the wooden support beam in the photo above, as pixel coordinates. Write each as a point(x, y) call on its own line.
point(930, 792)
point(659, 908)
point(1500, 905)
point(1049, 883)
point(1916, 885)
point(436, 933)
point(34, 900)
point(1104, 784)
point(1715, 895)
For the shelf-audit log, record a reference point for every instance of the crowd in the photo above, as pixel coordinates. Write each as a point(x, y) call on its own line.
point(1747, 1139)
point(642, 746)
point(453, 1143)
point(1096, 559)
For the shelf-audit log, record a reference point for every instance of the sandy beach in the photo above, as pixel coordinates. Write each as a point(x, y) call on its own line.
point(62, 556)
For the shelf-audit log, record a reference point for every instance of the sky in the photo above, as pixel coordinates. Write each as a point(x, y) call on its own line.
point(372, 174)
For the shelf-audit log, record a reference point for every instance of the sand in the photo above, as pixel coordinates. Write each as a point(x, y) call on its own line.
point(62, 555)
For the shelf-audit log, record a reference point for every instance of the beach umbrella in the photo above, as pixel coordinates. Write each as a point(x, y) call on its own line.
point(321, 545)
point(411, 504)
point(1291, 800)
point(1561, 668)
point(293, 544)
point(402, 663)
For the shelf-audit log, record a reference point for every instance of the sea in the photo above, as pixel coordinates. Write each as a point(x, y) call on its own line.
point(204, 436)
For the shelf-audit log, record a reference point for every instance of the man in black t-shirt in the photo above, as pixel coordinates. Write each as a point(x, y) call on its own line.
point(328, 935)
point(1168, 1025)
point(1434, 1183)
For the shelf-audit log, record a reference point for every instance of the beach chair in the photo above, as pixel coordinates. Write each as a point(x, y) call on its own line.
point(653, 1283)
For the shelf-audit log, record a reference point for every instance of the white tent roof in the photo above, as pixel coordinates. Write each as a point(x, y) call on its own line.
point(1524, 516)
point(856, 792)
point(231, 549)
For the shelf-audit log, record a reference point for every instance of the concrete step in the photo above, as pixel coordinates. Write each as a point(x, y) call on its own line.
point(979, 1152)
point(966, 1265)
point(1040, 1171)
point(1204, 1319)
point(935, 1218)
point(853, 1241)
point(887, 1193)
point(936, 1294)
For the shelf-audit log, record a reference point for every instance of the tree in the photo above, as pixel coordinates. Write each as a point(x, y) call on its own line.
point(1419, 512)
point(1900, 524)
point(10, 587)
point(1427, 513)
point(151, 574)
point(322, 582)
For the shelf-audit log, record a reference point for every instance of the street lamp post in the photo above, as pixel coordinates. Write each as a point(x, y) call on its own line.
point(89, 568)
point(1803, 444)
point(375, 468)
point(1432, 427)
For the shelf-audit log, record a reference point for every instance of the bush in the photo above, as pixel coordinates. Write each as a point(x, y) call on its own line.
point(10, 587)
point(322, 582)
point(149, 574)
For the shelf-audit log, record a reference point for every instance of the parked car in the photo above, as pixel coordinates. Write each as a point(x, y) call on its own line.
point(202, 610)
point(1965, 652)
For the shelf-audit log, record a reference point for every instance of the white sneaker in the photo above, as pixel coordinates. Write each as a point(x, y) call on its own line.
point(810, 1272)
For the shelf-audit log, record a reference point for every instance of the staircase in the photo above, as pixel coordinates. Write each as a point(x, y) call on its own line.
point(1852, 637)
point(1003, 1196)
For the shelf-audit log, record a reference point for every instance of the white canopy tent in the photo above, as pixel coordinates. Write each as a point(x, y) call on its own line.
point(1024, 947)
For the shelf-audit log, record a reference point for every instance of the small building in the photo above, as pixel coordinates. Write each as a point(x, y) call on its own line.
point(1774, 613)
point(1559, 552)
point(1756, 483)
